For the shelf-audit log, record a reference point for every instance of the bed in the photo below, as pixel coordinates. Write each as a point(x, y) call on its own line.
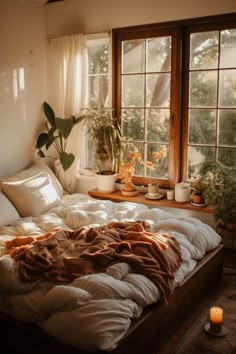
point(124, 293)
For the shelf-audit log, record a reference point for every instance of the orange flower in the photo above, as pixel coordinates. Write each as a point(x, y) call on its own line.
point(127, 169)
point(150, 165)
point(135, 155)
point(157, 155)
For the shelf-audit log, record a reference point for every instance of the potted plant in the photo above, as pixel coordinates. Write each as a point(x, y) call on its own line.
point(198, 186)
point(104, 139)
point(220, 190)
point(56, 135)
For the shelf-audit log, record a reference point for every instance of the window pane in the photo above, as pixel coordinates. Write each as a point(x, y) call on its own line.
point(161, 166)
point(98, 59)
point(159, 54)
point(227, 127)
point(158, 125)
point(158, 90)
point(98, 89)
point(204, 50)
point(203, 89)
point(227, 89)
point(197, 155)
point(133, 56)
point(133, 90)
point(228, 48)
point(227, 157)
point(133, 124)
point(202, 126)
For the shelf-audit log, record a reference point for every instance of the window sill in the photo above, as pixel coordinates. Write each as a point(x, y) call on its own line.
point(140, 198)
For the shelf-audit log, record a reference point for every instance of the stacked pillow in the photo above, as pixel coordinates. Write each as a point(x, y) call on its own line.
point(32, 191)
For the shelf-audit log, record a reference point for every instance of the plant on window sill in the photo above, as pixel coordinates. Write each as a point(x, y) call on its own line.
point(103, 130)
point(126, 170)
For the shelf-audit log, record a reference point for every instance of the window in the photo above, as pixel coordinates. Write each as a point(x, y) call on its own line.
point(174, 85)
point(98, 70)
point(98, 83)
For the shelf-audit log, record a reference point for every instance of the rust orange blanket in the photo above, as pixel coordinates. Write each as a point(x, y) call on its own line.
point(64, 255)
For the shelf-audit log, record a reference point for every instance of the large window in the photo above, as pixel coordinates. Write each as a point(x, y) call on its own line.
point(175, 85)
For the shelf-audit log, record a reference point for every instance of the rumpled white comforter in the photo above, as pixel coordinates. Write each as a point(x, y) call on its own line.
point(94, 311)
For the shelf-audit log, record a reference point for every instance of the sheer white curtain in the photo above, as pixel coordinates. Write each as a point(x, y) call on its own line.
point(66, 93)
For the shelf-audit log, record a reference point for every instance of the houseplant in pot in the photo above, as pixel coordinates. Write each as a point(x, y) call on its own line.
point(198, 185)
point(104, 142)
point(57, 131)
point(220, 190)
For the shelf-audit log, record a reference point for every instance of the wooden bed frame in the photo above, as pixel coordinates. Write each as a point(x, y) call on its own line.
point(150, 331)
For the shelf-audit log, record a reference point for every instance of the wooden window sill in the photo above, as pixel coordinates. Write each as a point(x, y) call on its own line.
point(140, 198)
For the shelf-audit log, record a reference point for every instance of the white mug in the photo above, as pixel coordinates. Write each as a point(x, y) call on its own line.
point(153, 189)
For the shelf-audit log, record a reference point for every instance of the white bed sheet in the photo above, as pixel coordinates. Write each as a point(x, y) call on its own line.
point(96, 309)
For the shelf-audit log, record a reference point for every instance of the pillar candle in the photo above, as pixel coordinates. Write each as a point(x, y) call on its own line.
point(216, 319)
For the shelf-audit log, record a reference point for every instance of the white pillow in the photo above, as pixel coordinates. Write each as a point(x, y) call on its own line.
point(33, 170)
point(32, 196)
point(8, 212)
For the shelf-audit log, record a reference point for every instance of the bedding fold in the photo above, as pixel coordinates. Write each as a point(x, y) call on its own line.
point(63, 255)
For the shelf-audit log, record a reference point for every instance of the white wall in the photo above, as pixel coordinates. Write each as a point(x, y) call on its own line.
point(22, 81)
point(91, 16)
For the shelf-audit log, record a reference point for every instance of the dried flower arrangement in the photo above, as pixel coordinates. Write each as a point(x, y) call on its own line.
point(127, 169)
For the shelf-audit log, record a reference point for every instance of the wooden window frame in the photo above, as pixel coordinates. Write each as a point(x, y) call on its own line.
point(180, 32)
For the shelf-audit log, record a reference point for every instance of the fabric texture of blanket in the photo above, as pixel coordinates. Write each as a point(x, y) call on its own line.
point(65, 255)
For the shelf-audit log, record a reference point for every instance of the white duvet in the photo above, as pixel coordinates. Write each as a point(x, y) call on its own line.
point(94, 311)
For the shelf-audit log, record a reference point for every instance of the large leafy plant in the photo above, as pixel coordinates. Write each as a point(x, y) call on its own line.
point(56, 135)
point(104, 135)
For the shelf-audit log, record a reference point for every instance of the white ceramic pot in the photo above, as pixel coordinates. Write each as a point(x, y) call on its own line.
point(182, 192)
point(106, 183)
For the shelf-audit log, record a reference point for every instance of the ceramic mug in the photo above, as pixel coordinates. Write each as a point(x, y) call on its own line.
point(153, 189)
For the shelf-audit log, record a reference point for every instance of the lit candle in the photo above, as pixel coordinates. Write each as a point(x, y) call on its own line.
point(216, 319)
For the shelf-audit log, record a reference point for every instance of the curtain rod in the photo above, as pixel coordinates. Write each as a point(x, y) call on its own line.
point(94, 35)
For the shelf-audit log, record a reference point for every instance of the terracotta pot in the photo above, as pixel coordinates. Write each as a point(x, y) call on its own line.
point(129, 190)
point(129, 187)
point(197, 198)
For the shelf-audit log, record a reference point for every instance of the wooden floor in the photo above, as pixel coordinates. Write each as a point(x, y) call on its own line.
point(229, 274)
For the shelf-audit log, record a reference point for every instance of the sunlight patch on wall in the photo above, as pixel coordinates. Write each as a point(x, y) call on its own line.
point(12, 83)
point(18, 82)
